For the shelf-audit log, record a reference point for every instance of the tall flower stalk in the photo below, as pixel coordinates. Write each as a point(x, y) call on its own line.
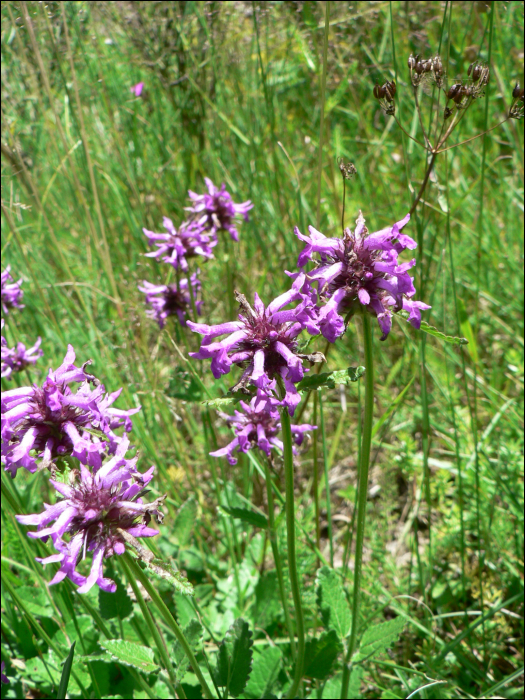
point(364, 465)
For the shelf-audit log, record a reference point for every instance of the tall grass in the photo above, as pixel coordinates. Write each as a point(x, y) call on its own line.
point(240, 93)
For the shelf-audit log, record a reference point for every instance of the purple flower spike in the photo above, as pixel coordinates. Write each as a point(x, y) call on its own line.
point(17, 359)
point(94, 511)
point(216, 210)
point(11, 292)
point(360, 268)
point(137, 89)
point(168, 300)
point(175, 246)
point(49, 422)
point(263, 341)
point(258, 426)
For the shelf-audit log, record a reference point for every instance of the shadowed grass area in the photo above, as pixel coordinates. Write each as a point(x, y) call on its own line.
point(233, 92)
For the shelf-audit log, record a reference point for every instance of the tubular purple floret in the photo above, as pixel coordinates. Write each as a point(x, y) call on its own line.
point(174, 247)
point(11, 292)
point(171, 299)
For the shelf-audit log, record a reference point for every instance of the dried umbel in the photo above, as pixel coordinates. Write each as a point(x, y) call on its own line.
point(99, 512)
point(348, 170)
point(257, 425)
point(385, 94)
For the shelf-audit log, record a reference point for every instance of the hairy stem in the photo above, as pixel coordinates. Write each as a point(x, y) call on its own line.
point(292, 564)
point(362, 496)
point(277, 557)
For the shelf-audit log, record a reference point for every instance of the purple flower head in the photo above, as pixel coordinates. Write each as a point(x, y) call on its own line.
point(176, 246)
point(362, 268)
point(95, 510)
point(216, 210)
point(171, 299)
point(48, 422)
point(17, 359)
point(258, 425)
point(11, 292)
point(5, 679)
point(137, 89)
point(263, 341)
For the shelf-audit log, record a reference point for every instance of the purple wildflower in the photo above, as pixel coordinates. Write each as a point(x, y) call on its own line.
point(258, 426)
point(216, 210)
point(95, 511)
point(362, 267)
point(263, 341)
point(11, 292)
point(49, 422)
point(17, 359)
point(171, 299)
point(137, 89)
point(176, 246)
point(4, 678)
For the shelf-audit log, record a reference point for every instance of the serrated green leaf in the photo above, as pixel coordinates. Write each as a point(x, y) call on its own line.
point(185, 609)
point(331, 379)
point(426, 328)
point(234, 658)
point(35, 601)
point(193, 635)
point(185, 521)
point(115, 605)
point(265, 669)
point(247, 516)
point(378, 638)
point(320, 655)
point(131, 654)
point(332, 687)
point(160, 569)
point(332, 602)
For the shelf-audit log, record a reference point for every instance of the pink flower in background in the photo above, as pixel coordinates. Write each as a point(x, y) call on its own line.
point(137, 89)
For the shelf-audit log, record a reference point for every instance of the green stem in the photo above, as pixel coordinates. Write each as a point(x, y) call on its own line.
point(155, 633)
point(316, 478)
point(292, 564)
point(325, 462)
point(362, 496)
point(277, 557)
point(168, 619)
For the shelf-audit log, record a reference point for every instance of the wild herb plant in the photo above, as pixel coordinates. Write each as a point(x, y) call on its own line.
point(113, 115)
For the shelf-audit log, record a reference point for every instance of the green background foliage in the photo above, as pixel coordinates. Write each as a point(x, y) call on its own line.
point(232, 92)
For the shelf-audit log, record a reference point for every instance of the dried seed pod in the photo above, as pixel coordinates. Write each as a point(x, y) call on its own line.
point(447, 113)
point(347, 169)
point(476, 72)
point(438, 66)
point(377, 91)
point(420, 67)
point(517, 93)
point(453, 91)
point(460, 94)
point(390, 90)
point(412, 60)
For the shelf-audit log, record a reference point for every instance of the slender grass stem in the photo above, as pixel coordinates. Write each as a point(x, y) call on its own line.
point(292, 564)
point(316, 477)
point(168, 619)
point(321, 128)
point(362, 496)
point(277, 556)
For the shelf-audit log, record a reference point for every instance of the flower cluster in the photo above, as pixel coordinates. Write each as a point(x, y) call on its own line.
point(42, 424)
point(361, 269)
point(100, 510)
point(216, 211)
point(11, 292)
point(18, 358)
point(209, 214)
point(258, 425)
point(169, 299)
point(263, 341)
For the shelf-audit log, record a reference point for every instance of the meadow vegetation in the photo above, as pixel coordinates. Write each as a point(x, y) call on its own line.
point(238, 92)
